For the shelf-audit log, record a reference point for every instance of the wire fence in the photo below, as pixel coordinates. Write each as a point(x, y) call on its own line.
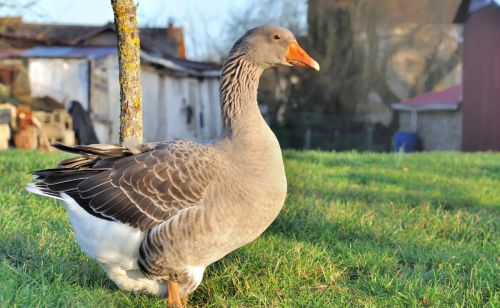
point(317, 131)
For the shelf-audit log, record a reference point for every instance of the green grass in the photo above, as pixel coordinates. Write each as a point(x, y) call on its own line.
point(387, 230)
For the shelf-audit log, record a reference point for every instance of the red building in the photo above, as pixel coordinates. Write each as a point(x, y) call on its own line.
point(481, 74)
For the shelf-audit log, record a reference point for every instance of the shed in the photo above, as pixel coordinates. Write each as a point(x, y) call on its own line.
point(180, 97)
point(481, 74)
point(79, 63)
point(435, 117)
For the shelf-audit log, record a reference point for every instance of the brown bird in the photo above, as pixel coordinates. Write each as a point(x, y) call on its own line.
point(156, 215)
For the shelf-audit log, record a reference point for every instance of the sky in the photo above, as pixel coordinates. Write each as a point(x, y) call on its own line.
point(195, 16)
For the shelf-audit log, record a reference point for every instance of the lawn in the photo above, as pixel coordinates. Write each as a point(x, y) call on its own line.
point(361, 229)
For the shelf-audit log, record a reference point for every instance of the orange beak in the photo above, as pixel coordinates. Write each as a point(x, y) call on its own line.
point(298, 57)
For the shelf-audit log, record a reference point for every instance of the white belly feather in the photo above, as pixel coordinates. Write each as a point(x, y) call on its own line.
point(113, 245)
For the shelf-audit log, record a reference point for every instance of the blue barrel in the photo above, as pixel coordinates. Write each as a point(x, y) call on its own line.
point(405, 141)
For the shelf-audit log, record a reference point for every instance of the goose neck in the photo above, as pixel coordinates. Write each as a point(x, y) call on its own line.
point(238, 91)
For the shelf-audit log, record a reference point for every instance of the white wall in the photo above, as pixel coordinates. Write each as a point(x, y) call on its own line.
point(114, 98)
point(167, 99)
point(151, 105)
point(105, 99)
point(62, 79)
point(202, 96)
point(212, 102)
point(177, 102)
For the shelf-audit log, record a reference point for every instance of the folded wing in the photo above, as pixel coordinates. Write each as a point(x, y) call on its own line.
point(142, 189)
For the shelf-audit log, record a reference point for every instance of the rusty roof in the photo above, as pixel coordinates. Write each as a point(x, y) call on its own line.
point(16, 34)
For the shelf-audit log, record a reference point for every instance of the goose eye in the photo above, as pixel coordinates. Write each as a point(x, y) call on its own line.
point(276, 37)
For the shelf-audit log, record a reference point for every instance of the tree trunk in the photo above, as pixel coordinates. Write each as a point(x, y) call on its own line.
point(130, 69)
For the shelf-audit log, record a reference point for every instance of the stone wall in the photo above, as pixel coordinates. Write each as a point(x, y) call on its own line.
point(438, 130)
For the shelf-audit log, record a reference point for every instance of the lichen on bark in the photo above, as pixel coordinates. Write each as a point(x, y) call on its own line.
point(130, 71)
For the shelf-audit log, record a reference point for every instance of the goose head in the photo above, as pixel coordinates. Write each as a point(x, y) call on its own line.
point(271, 45)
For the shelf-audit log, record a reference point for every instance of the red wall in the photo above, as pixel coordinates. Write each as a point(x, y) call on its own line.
point(481, 92)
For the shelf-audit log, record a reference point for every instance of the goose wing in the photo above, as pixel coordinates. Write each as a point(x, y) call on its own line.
point(141, 190)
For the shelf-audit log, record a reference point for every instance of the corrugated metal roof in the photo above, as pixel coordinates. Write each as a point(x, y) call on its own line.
point(438, 100)
point(68, 52)
point(190, 67)
point(195, 65)
point(479, 4)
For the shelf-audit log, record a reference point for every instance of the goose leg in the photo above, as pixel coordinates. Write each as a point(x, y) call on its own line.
point(174, 301)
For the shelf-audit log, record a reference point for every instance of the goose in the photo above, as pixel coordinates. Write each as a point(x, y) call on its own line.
point(155, 215)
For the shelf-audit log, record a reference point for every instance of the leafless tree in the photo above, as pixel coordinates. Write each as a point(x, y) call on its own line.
point(378, 47)
point(12, 8)
point(287, 13)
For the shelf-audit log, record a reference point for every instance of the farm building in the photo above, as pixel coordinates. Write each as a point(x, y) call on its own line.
point(465, 116)
point(481, 74)
point(180, 97)
point(435, 117)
